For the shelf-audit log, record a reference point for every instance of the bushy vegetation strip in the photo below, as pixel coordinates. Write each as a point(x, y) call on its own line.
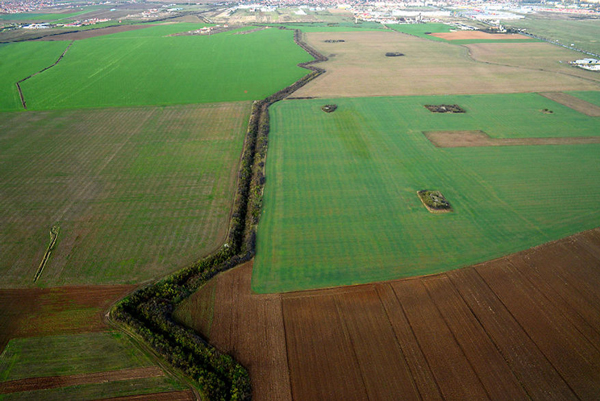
point(148, 311)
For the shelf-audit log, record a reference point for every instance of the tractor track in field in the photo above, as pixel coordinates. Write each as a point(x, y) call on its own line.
point(18, 84)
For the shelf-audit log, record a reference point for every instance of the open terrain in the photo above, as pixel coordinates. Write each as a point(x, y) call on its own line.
point(340, 204)
point(136, 192)
point(84, 366)
point(358, 67)
point(150, 67)
point(522, 327)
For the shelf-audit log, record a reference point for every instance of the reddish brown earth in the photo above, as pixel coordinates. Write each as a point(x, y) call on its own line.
point(170, 396)
point(61, 310)
point(526, 326)
point(92, 33)
point(44, 383)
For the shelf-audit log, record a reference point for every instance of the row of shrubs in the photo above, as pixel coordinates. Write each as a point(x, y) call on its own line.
point(148, 311)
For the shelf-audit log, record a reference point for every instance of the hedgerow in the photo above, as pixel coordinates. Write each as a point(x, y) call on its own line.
point(148, 311)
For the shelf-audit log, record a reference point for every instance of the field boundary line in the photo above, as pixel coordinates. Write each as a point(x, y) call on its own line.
point(18, 84)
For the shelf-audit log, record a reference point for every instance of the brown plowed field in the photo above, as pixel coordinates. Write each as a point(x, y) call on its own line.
point(526, 326)
point(471, 139)
point(92, 33)
point(170, 396)
point(42, 383)
point(61, 310)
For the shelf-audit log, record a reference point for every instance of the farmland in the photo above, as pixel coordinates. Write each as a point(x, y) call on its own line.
point(359, 67)
point(340, 206)
point(136, 192)
point(83, 366)
point(19, 60)
point(582, 33)
point(473, 333)
point(164, 70)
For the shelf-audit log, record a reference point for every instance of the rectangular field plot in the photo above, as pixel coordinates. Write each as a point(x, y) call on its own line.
point(136, 192)
point(152, 67)
point(340, 199)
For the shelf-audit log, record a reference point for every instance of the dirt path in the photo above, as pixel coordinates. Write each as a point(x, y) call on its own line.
point(44, 383)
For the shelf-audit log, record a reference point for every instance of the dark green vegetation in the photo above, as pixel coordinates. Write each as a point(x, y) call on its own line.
point(583, 33)
point(340, 207)
point(158, 69)
point(136, 192)
point(434, 200)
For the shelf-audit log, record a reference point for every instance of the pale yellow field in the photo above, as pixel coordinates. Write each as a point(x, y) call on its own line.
point(359, 67)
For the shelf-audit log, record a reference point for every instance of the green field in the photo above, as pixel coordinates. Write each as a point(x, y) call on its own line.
point(19, 60)
point(147, 67)
point(583, 33)
point(136, 192)
point(69, 355)
point(78, 354)
point(340, 203)
point(420, 29)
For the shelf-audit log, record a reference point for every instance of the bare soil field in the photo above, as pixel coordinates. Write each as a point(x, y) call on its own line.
point(526, 326)
point(92, 33)
point(42, 383)
point(49, 311)
point(468, 139)
point(358, 67)
point(460, 35)
point(574, 103)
